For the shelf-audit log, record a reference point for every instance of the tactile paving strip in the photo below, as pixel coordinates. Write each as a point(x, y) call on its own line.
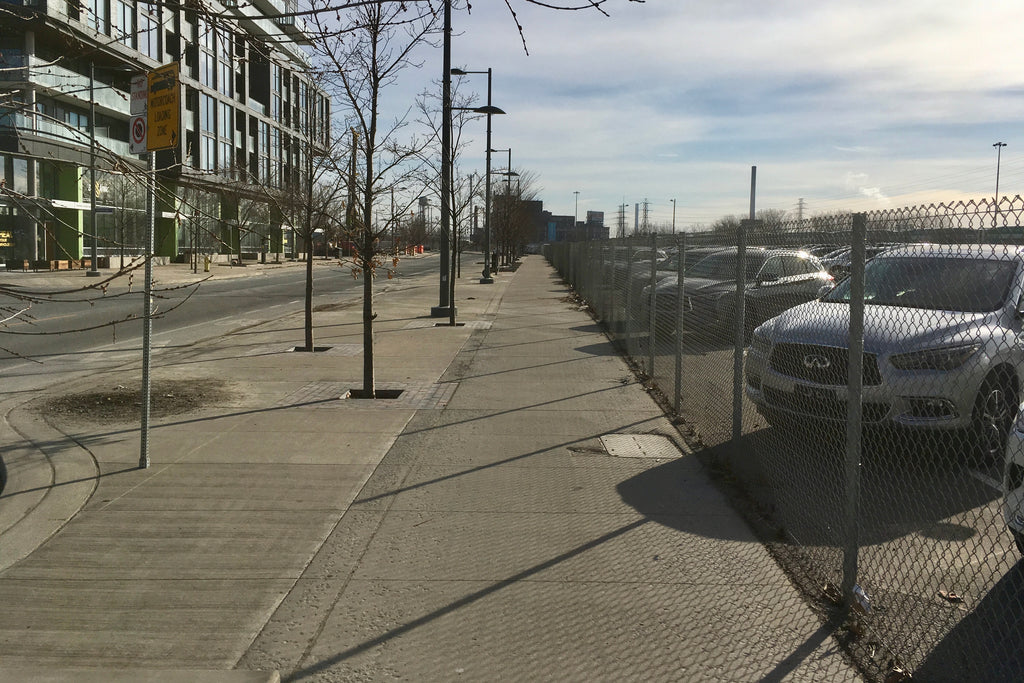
point(330, 395)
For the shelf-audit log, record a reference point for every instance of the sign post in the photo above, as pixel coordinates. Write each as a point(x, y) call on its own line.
point(160, 129)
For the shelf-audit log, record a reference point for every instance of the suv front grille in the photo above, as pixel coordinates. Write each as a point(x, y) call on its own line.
point(826, 365)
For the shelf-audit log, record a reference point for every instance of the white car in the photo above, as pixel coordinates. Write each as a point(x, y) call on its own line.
point(943, 346)
point(1013, 481)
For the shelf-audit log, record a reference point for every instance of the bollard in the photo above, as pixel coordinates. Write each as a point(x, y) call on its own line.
point(206, 264)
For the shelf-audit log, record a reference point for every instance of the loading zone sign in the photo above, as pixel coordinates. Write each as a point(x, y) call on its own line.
point(163, 108)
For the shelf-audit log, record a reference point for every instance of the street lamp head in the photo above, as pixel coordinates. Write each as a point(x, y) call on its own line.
point(456, 71)
point(485, 109)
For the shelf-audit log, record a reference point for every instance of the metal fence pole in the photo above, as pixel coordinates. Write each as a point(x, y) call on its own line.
point(738, 312)
point(680, 307)
point(851, 502)
point(650, 320)
point(627, 311)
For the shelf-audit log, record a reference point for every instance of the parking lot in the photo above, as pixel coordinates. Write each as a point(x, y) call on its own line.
point(934, 556)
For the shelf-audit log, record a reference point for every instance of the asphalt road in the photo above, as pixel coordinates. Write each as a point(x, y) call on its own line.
point(69, 325)
point(55, 344)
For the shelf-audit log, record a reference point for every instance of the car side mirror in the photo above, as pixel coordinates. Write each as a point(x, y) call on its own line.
point(825, 289)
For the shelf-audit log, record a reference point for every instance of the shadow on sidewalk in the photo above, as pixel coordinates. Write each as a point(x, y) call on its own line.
point(465, 601)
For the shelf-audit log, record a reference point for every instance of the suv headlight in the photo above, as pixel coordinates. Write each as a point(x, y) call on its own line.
point(947, 358)
point(760, 343)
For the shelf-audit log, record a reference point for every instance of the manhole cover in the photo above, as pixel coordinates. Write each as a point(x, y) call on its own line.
point(640, 446)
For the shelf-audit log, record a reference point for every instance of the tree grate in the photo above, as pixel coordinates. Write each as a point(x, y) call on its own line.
point(331, 395)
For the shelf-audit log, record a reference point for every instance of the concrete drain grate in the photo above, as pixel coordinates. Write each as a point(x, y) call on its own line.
point(640, 446)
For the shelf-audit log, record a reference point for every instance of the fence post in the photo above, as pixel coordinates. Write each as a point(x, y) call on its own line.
point(738, 338)
point(627, 314)
point(854, 413)
point(680, 307)
point(650, 317)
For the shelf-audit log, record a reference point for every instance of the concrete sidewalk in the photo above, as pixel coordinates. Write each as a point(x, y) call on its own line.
point(522, 511)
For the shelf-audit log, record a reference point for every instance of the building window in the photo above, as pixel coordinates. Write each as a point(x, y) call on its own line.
point(149, 34)
point(264, 152)
point(207, 114)
point(275, 157)
point(208, 160)
point(206, 69)
point(224, 163)
point(226, 119)
point(125, 20)
point(225, 66)
point(96, 16)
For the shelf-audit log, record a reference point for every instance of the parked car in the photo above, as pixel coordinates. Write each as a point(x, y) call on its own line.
point(942, 346)
point(838, 262)
point(1013, 481)
point(667, 268)
point(775, 279)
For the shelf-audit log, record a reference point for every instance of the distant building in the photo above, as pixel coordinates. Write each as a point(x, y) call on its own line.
point(566, 229)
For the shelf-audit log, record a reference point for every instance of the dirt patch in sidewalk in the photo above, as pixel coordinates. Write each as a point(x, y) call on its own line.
point(123, 402)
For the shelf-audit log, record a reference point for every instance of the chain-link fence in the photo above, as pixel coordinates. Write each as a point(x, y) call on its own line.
point(859, 377)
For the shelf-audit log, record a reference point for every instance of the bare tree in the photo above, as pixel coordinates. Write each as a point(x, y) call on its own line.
point(375, 44)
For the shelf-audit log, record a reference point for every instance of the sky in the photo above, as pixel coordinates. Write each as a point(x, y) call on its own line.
point(847, 106)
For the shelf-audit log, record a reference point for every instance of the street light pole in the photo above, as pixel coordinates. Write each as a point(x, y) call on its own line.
point(93, 272)
point(673, 216)
point(999, 154)
point(576, 211)
point(490, 109)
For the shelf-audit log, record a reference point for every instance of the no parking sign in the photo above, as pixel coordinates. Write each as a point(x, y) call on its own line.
point(137, 127)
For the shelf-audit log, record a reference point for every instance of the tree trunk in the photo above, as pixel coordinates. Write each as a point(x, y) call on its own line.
point(369, 390)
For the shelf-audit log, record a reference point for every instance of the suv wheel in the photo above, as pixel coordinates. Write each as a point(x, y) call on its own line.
point(994, 411)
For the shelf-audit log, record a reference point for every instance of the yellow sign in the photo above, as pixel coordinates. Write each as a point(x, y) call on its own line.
point(163, 108)
point(6, 238)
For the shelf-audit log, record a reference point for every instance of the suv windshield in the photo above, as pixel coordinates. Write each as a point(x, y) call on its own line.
point(723, 266)
point(942, 284)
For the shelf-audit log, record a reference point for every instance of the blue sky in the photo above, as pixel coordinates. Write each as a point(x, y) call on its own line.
point(847, 105)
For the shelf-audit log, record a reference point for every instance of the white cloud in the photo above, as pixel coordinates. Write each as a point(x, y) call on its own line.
point(679, 99)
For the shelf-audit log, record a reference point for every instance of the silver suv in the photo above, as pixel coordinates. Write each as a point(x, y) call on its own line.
point(942, 345)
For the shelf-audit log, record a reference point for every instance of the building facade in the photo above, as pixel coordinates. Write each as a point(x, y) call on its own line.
point(251, 120)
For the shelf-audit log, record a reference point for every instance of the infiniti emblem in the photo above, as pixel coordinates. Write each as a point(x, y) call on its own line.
point(814, 361)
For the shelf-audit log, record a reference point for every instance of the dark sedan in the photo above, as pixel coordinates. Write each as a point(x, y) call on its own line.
point(775, 280)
